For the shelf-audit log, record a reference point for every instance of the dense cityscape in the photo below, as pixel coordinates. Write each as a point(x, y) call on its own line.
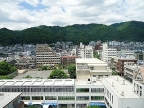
point(71, 54)
point(64, 75)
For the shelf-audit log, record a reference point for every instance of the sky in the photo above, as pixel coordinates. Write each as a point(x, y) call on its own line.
point(22, 14)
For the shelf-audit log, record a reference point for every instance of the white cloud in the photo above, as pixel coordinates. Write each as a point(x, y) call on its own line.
point(68, 12)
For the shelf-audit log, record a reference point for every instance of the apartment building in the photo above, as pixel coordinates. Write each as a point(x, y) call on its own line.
point(126, 53)
point(119, 64)
point(91, 68)
point(85, 51)
point(108, 53)
point(119, 93)
point(10, 100)
point(57, 93)
point(45, 55)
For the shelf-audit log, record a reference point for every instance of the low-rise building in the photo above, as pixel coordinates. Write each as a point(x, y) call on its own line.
point(92, 68)
point(57, 93)
point(119, 93)
point(10, 100)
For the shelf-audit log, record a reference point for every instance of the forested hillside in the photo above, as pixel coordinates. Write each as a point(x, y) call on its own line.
point(125, 31)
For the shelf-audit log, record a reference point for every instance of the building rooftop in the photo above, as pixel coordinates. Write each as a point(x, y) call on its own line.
point(7, 97)
point(37, 82)
point(89, 60)
point(119, 86)
point(85, 82)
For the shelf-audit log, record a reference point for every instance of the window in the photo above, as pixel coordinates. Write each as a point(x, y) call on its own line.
point(81, 90)
point(25, 97)
point(95, 90)
point(97, 97)
point(82, 98)
point(37, 97)
point(50, 98)
point(66, 98)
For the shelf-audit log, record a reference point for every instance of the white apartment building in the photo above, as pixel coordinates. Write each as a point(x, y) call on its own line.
point(92, 68)
point(108, 53)
point(57, 93)
point(45, 55)
point(120, 93)
point(85, 51)
point(126, 54)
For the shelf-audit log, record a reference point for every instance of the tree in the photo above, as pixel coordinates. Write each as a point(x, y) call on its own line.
point(58, 74)
point(6, 68)
point(72, 71)
point(97, 56)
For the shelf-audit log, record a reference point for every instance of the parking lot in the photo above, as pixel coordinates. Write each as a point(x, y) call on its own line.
point(36, 74)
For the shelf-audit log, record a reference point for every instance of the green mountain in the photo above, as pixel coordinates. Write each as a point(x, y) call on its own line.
point(125, 31)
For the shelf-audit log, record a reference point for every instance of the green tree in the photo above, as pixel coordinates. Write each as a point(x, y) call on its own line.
point(72, 71)
point(97, 56)
point(58, 74)
point(6, 68)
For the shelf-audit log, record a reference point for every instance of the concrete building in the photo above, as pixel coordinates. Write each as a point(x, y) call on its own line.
point(85, 51)
point(57, 93)
point(126, 54)
point(91, 68)
point(108, 53)
point(10, 100)
point(119, 64)
point(120, 93)
point(45, 55)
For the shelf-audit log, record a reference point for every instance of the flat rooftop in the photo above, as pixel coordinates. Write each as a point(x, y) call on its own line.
point(7, 97)
point(118, 85)
point(37, 82)
point(89, 60)
point(85, 82)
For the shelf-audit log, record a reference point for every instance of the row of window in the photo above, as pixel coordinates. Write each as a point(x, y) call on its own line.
point(63, 97)
point(50, 89)
point(93, 90)
point(37, 89)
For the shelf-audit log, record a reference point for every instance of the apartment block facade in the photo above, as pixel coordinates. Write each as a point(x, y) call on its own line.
point(45, 55)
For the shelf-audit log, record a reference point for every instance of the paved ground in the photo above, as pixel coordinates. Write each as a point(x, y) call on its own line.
point(35, 74)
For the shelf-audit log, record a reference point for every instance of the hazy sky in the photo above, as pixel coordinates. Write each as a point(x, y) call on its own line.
point(21, 14)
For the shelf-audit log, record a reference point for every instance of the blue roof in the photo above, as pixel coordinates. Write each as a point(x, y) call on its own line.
point(97, 104)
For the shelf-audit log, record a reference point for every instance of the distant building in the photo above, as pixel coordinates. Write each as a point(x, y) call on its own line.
point(85, 51)
point(108, 53)
point(45, 55)
point(119, 64)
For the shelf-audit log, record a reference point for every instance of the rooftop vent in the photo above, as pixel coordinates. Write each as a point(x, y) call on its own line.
point(112, 84)
point(117, 78)
point(122, 93)
point(123, 82)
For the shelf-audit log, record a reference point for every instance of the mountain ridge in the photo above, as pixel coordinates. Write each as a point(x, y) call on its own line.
point(125, 31)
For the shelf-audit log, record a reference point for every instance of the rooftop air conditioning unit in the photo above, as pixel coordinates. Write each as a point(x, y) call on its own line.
point(93, 79)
